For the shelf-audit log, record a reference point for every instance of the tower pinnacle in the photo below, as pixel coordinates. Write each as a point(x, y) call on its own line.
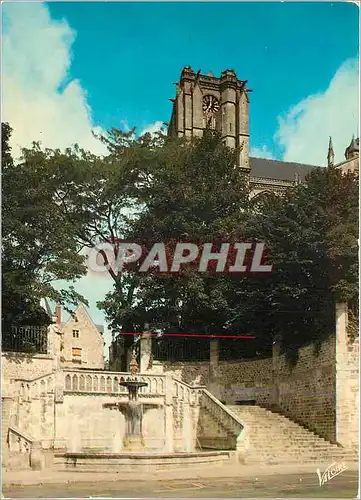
point(330, 154)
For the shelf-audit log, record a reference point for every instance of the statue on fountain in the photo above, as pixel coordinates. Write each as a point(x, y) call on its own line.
point(133, 365)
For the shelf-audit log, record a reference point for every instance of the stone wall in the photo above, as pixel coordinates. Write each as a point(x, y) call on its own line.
point(347, 383)
point(16, 365)
point(249, 380)
point(320, 390)
point(231, 380)
point(306, 390)
point(94, 427)
point(192, 372)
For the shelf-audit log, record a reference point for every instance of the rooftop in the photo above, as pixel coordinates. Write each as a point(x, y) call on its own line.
point(280, 170)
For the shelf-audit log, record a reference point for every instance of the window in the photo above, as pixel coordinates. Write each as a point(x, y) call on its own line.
point(76, 352)
point(75, 334)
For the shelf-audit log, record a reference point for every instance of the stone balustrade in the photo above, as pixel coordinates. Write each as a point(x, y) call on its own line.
point(185, 392)
point(34, 389)
point(19, 441)
point(221, 414)
point(82, 381)
point(78, 381)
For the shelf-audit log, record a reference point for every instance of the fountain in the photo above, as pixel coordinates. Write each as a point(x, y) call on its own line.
point(133, 409)
point(134, 452)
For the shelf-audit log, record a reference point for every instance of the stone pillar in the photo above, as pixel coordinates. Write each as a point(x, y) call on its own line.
point(145, 352)
point(37, 458)
point(168, 415)
point(214, 386)
point(59, 416)
point(187, 429)
point(6, 403)
point(347, 382)
point(276, 352)
point(54, 345)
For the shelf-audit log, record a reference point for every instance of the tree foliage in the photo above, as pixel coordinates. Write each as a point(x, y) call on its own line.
point(196, 195)
point(152, 189)
point(38, 245)
point(311, 233)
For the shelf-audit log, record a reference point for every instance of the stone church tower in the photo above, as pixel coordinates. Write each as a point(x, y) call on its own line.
point(220, 103)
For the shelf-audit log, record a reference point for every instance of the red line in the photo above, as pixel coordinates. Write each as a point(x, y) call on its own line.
point(200, 335)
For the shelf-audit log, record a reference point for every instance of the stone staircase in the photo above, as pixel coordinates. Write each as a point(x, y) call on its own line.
point(271, 438)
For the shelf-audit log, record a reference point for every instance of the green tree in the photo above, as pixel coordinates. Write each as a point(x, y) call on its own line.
point(38, 245)
point(194, 194)
point(311, 233)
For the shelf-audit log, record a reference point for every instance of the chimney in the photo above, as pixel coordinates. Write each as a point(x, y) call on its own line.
point(58, 313)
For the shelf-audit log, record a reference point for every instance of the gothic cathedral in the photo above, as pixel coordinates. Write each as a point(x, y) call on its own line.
point(223, 103)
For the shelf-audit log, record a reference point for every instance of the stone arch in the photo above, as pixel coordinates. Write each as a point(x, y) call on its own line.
point(67, 382)
point(35, 390)
point(153, 386)
point(42, 388)
point(82, 383)
point(109, 384)
point(102, 383)
point(262, 196)
point(75, 382)
point(89, 385)
point(50, 384)
point(116, 384)
point(187, 395)
point(95, 383)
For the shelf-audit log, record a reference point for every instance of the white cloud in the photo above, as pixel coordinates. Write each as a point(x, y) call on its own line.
point(304, 132)
point(36, 60)
point(38, 100)
point(153, 128)
point(262, 152)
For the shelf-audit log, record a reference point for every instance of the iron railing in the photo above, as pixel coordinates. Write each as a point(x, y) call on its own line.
point(27, 339)
point(181, 349)
point(237, 349)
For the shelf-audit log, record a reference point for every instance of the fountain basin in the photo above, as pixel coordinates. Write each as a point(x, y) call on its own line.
point(128, 462)
point(133, 386)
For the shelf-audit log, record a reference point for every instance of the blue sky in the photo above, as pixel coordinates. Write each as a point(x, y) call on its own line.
point(70, 68)
point(127, 55)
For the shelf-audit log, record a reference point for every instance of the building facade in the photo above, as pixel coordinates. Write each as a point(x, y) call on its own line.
point(81, 341)
point(222, 103)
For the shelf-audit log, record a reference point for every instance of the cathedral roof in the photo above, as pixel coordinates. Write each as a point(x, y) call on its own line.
point(280, 170)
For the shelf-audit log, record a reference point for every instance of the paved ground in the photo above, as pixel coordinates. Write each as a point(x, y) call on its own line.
point(274, 485)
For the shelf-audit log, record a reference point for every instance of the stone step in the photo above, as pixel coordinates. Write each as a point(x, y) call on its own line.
point(290, 443)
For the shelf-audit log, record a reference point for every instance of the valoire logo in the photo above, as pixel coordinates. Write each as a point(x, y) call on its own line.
point(332, 471)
